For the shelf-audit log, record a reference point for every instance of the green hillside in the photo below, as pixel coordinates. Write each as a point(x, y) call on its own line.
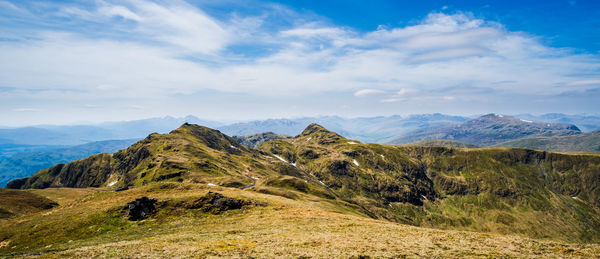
point(506, 191)
point(441, 143)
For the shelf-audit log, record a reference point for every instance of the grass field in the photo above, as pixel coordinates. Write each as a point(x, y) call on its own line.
point(91, 223)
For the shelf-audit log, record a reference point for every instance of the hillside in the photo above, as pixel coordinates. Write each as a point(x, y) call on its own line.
point(585, 142)
point(255, 140)
point(500, 190)
point(27, 163)
point(491, 129)
point(441, 143)
point(92, 223)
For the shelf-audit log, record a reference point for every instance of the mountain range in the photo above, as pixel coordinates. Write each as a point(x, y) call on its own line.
point(491, 129)
point(502, 190)
point(34, 148)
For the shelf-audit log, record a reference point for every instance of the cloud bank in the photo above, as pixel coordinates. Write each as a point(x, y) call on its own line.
point(112, 54)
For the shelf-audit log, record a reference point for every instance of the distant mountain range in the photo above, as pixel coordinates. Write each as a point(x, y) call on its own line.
point(491, 129)
point(80, 134)
point(585, 142)
point(368, 129)
point(27, 163)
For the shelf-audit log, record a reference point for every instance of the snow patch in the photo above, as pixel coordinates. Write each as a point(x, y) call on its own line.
point(254, 177)
point(112, 183)
point(211, 184)
point(233, 147)
point(382, 156)
point(322, 183)
point(294, 164)
point(574, 197)
point(352, 143)
point(526, 121)
point(278, 157)
point(423, 196)
point(308, 139)
point(547, 125)
point(355, 162)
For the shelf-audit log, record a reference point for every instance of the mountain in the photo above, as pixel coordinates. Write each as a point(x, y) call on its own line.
point(367, 129)
point(441, 143)
point(585, 142)
point(255, 140)
point(80, 134)
point(499, 190)
point(491, 129)
point(27, 163)
point(586, 123)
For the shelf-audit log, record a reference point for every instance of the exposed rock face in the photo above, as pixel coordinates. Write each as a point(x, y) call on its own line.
point(217, 203)
point(140, 208)
point(254, 141)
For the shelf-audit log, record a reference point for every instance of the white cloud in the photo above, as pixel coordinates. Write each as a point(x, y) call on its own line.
point(156, 50)
point(367, 92)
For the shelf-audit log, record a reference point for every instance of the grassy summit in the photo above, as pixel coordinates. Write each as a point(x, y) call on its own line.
point(335, 187)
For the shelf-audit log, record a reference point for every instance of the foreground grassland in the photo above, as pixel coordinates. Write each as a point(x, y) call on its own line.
point(91, 223)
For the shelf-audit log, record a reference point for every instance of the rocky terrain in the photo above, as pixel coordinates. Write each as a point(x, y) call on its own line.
point(496, 190)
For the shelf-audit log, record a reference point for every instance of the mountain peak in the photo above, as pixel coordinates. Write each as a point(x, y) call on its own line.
point(313, 128)
point(321, 134)
point(210, 137)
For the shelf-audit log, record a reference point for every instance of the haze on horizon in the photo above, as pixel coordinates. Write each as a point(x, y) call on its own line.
point(70, 61)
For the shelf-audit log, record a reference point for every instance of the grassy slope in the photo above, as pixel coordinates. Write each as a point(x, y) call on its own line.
point(500, 190)
point(89, 223)
point(441, 143)
point(16, 202)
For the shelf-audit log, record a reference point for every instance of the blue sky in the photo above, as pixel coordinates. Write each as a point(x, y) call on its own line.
point(92, 61)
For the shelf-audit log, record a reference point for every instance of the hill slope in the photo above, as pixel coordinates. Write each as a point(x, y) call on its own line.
point(500, 190)
point(585, 142)
point(92, 223)
point(441, 143)
point(491, 129)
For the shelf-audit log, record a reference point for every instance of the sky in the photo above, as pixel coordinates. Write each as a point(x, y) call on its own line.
point(65, 62)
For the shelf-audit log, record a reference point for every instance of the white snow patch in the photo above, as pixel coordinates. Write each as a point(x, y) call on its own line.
point(294, 164)
point(254, 177)
point(355, 162)
point(526, 121)
point(500, 115)
point(423, 196)
point(278, 157)
point(352, 143)
point(233, 147)
point(547, 125)
point(382, 156)
point(389, 205)
point(574, 197)
point(322, 183)
point(211, 184)
point(112, 183)
point(308, 139)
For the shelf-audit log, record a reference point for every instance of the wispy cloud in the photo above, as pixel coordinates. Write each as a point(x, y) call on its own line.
point(143, 49)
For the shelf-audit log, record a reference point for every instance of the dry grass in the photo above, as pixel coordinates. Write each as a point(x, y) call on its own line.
point(307, 227)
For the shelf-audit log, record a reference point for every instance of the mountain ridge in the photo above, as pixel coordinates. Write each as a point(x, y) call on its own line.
point(436, 187)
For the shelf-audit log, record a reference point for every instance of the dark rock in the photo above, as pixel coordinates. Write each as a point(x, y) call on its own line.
point(217, 203)
point(119, 189)
point(140, 208)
